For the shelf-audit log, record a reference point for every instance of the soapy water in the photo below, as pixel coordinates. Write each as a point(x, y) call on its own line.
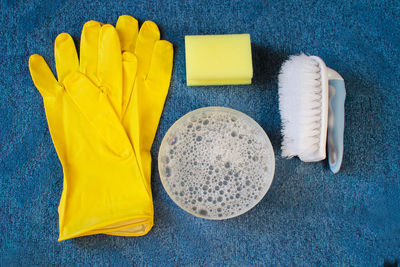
point(216, 163)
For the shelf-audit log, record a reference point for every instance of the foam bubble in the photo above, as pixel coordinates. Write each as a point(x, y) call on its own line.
point(168, 171)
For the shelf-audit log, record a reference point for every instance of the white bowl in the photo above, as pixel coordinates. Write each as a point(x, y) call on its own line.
point(216, 163)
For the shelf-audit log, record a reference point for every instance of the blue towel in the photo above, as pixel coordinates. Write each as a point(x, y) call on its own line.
point(309, 216)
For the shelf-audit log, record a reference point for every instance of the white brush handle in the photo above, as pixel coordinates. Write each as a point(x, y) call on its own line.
point(337, 96)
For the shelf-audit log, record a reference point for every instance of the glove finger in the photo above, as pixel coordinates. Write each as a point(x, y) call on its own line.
point(148, 35)
point(127, 28)
point(95, 106)
point(89, 48)
point(109, 70)
point(42, 76)
point(157, 81)
point(65, 55)
point(129, 67)
point(159, 75)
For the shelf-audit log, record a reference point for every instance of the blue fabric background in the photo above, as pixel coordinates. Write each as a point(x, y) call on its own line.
point(308, 217)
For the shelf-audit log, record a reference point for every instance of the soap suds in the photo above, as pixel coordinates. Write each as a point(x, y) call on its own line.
point(216, 163)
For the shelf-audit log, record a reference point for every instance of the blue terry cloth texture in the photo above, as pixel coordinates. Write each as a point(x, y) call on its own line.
point(309, 216)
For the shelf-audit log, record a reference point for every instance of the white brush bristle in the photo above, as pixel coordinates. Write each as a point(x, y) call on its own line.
point(300, 105)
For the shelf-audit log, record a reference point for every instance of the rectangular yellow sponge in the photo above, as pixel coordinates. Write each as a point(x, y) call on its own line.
point(218, 59)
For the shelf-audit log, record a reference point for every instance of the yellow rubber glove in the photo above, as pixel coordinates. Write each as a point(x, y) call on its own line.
point(104, 189)
point(150, 86)
point(147, 67)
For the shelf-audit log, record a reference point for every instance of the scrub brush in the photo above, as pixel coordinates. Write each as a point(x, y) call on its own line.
point(311, 103)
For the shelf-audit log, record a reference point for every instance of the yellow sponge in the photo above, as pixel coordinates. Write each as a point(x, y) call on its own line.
point(218, 59)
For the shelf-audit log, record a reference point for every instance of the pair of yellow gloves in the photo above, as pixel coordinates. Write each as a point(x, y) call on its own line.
point(103, 114)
